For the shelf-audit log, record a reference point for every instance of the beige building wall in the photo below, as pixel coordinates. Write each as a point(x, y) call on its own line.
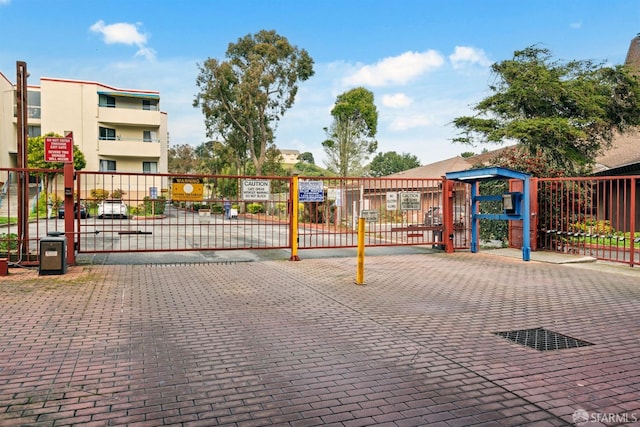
point(137, 133)
point(7, 123)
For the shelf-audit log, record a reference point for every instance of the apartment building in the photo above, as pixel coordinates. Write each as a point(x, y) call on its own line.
point(117, 129)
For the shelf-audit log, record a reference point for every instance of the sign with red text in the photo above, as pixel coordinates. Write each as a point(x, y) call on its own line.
point(58, 150)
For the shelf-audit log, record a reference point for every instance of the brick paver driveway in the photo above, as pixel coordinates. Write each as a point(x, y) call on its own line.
point(298, 343)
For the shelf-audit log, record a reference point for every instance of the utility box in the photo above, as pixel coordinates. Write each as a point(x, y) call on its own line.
point(53, 254)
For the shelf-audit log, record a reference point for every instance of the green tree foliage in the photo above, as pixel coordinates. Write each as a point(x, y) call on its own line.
point(306, 157)
point(243, 97)
point(566, 112)
point(384, 164)
point(217, 158)
point(182, 159)
point(308, 169)
point(351, 137)
point(35, 157)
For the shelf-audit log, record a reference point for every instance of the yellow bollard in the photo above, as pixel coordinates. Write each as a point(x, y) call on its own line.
point(360, 270)
point(293, 232)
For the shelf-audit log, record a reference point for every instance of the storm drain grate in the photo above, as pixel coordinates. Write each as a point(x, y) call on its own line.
point(542, 339)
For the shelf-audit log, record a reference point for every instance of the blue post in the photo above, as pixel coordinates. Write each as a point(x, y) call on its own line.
point(526, 219)
point(474, 220)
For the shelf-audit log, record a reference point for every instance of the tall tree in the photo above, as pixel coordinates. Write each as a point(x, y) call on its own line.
point(384, 164)
point(250, 91)
point(565, 111)
point(351, 137)
point(182, 159)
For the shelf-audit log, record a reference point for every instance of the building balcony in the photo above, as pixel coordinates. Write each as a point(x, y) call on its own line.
point(129, 116)
point(129, 148)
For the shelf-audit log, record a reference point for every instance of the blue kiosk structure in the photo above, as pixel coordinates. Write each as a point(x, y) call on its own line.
point(516, 205)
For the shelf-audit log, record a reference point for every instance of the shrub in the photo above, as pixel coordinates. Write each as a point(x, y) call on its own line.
point(117, 193)
point(156, 205)
point(8, 242)
point(255, 208)
point(99, 194)
point(593, 226)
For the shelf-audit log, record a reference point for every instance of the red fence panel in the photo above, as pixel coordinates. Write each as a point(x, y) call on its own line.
point(169, 212)
point(400, 211)
point(29, 201)
point(595, 216)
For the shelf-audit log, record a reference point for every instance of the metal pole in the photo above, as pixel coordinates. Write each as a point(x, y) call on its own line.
point(22, 156)
point(360, 268)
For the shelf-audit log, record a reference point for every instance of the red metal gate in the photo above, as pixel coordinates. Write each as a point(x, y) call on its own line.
point(168, 212)
point(595, 216)
point(399, 212)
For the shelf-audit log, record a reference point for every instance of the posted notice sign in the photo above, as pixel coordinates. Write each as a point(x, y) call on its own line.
point(256, 189)
point(310, 191)
point(58, 150)
point(187, 189)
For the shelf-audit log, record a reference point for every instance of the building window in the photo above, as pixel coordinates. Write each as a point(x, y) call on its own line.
point(106, 101)
point(107, 165)
point(34, 131)
point(33, 104)
point(149, 136)
point(150, 105)
point(150, 167)
point(107, 134)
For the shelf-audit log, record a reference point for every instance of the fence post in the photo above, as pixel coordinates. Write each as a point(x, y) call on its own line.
point(447, 215)
point(632, 224)
point(293, 232)
point(69, 217)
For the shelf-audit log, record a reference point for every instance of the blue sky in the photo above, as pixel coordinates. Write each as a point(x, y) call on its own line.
point(426, 61)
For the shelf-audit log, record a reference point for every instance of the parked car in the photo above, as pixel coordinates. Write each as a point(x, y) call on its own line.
point(114, 208)
point(84, 213)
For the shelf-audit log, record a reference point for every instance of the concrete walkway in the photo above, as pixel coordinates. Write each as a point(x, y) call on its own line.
point(298, 343)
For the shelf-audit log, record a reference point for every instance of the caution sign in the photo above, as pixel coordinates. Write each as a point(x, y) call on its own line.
point(256, 189)
point(187, 189)
point(410, 200)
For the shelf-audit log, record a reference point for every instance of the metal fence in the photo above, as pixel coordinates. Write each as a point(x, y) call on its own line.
point(27, 211)
point(398, 211)
point(168, 212)
point(597, 216)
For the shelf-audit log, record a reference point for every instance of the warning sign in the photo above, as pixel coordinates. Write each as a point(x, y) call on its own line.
point(256, 189)
point(58, 150)
point(187, 189)
point(410, 200)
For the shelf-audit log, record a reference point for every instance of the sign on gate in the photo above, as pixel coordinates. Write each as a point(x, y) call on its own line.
point(392, 201)
point(310, 191)
point(187, 189)
point(410, 200)
point(256, 189)
point(58, 149)
point(370, 215)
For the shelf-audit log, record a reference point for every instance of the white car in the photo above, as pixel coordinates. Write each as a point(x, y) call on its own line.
point(113, 208)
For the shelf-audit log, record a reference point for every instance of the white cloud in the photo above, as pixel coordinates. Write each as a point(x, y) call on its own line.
point(464, 55)
point(575, 25)
point(396, 70)
point(124, 33)
point(409, 122)
point(3, 2)
point(397, 100)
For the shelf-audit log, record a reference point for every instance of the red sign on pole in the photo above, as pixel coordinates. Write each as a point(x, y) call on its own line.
point(58, 150)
